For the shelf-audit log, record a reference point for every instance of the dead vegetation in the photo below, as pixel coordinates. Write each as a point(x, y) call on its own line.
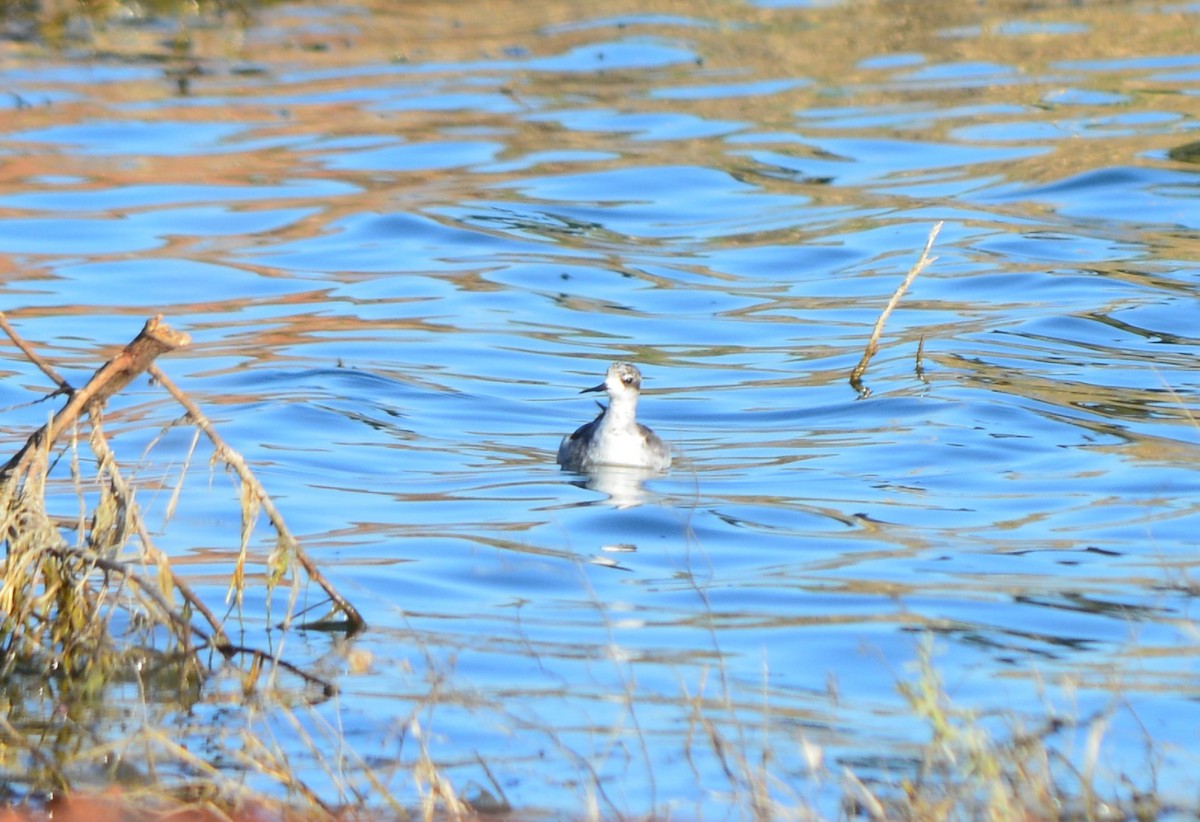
point(93, 607)
point(923, 262)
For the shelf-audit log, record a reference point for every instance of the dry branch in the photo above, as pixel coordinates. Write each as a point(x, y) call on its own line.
point(235, 461)
point(36, 547)
point(156, 338)
point(873, 343)
point(61, 601)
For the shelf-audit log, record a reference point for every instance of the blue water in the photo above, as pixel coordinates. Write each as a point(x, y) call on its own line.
point(398, 273)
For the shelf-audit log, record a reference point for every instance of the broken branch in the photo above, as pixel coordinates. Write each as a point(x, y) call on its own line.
point(235, 461)
point(155, 338)
point(873, 343)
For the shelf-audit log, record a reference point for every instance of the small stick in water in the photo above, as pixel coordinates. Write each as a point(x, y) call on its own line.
point(873, 343)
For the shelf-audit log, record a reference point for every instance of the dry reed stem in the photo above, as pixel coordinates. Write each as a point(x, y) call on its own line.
point(920, 265)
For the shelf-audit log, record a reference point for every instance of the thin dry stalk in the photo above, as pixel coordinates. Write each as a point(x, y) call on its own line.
point(33, 356)
point(873, 343)
point(235, 461)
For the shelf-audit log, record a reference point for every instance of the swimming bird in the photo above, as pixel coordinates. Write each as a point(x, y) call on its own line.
point(615, 437)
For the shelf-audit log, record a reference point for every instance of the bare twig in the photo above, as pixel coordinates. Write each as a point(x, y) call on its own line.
point(328, 689)
point(33, 356)
point(235, 461)
point(873, 343)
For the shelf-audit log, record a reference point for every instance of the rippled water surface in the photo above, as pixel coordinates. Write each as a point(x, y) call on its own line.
point(403, 238)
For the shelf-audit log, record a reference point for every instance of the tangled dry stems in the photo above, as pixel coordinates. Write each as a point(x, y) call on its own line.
point(91, 606)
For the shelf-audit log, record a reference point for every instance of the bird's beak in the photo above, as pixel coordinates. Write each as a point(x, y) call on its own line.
point(599, 387)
